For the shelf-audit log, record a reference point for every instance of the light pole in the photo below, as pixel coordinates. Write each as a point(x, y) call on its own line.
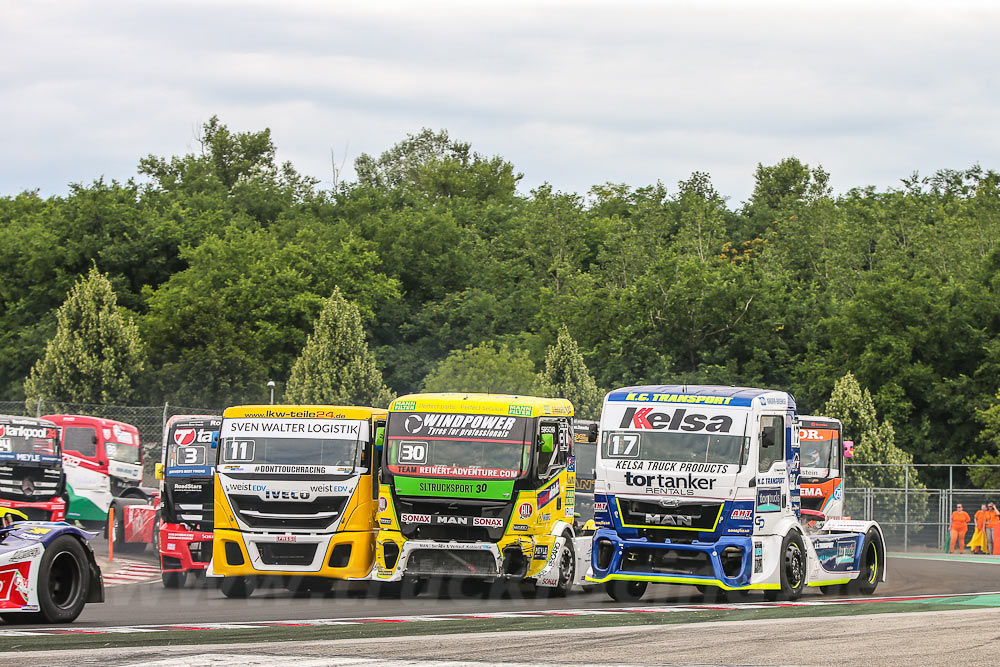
point(270, 385)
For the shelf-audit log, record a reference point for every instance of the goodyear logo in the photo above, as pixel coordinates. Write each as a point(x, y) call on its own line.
point(405, 405)
point(520, 410)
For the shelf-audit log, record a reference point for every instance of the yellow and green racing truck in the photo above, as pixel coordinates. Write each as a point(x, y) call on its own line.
point(481, 487)
point(295, 495)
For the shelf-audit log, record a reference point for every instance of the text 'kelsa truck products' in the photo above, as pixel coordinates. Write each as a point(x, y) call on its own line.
point(479, 487)
point(102, 460)
point(701, 485)
point(187, 496)
point(295, 495)
point(31, 470)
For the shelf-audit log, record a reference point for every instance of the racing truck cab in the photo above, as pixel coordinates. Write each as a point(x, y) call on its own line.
point(701, 485)
point(295, 495)
point(187, 490)
point(102, 459)
point(479, 487)
point(822, 451)
point(31, 470)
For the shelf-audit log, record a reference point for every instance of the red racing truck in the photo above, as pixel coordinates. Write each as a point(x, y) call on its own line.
point(186, 499)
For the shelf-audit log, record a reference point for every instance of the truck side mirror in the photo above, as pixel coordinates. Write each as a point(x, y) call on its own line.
point(592, 433)
point(158, 471)
point(548, 443)
point(379, 436)
point(215, 439)
point(848, 449)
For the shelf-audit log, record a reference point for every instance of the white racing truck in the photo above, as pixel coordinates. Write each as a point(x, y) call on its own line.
point(700, 485)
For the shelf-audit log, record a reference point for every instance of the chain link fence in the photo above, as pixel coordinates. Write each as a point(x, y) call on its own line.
point(150, 420)
point(915, 515)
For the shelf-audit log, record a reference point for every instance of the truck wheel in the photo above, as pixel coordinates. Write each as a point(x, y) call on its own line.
point(792, 569)
point(237, 588)
point(625, 591)
point(118, 534)
point(566, 563)
point(173, 579)
point(872, 565)
point(63, 581)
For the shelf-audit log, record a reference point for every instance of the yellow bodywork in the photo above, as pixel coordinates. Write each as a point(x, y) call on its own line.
point(358, 527)
point(536, 529)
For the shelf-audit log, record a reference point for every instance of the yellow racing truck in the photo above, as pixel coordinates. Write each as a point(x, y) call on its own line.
point(295, 496)
point(479, 487)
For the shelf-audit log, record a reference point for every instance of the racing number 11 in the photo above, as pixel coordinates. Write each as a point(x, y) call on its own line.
point(240, 450)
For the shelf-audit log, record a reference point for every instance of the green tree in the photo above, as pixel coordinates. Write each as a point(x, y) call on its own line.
point(988, 478)
point(485, 368)
point(96, 354)
point(336, 367)
point(566, 376)
point(874, 442)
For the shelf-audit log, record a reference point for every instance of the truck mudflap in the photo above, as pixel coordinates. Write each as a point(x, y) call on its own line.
point(549, 576)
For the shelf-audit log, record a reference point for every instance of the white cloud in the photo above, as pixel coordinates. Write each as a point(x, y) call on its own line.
point(572, 93)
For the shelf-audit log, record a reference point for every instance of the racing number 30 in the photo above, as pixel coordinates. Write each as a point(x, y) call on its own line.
point(415, 452)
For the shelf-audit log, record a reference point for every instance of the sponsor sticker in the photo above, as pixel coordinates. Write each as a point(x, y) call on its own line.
point(758, 557)
point(287, 538)
point(768, 500)
point(524, 510)
point(383, 504)
point(520, 526)
point(488, 522)
point(743, 514)
point(415, 518)
point(385, 522)
point(541, 552)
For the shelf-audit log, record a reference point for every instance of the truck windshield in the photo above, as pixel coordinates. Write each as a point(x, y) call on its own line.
point(290, 451)
point(672, 446)
point(28, 440)
point(122, 453)
point(456, 457)
point(818, 447)
point(187, 455)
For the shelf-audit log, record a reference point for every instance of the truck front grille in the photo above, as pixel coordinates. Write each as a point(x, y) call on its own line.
point(666, 561)
point(286, 554)
point(317, 514)
point(693, 516)
point(452, 562)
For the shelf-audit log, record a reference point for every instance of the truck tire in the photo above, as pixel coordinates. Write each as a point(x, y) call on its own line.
point(625, 591)
point(173, 579)
point(63, 581)
point(872, 565)
point(792, 569)
point(237, 588)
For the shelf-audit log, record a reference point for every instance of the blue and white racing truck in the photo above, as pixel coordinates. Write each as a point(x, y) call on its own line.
point(47, 570)
point(700, 485)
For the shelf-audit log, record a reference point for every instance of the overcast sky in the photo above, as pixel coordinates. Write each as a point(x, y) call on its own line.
point(575, 94)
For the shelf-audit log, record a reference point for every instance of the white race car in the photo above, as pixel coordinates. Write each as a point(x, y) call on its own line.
point(47, 570)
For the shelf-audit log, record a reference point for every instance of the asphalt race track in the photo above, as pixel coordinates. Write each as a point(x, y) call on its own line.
point(201, 602)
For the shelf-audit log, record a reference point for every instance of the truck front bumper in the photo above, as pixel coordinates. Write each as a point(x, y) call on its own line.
point(182, 550)
point(45, 510)
point(726, 563)
point(343, 555)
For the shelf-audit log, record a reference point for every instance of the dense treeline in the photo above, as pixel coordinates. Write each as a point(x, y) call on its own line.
point(224, 258)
